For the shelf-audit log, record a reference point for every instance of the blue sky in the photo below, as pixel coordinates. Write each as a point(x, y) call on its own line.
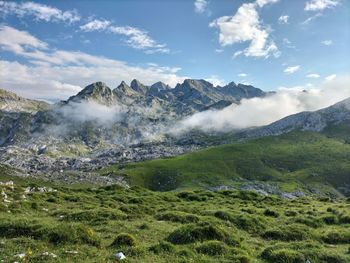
point(51, 49)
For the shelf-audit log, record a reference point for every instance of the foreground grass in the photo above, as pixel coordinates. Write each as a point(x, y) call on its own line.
point(92, 224)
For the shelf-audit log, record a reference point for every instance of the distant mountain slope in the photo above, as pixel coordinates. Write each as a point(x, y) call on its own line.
point(11, 102)
point(324, 120)
point(295, 160)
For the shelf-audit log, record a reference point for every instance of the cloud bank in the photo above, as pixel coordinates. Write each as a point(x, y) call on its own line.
point(263, 111)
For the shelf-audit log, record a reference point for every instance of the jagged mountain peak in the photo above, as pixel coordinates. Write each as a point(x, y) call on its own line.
point(139, 87)
point(98, 92)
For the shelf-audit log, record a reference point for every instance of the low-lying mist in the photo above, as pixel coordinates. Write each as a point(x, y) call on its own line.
point(263, 111)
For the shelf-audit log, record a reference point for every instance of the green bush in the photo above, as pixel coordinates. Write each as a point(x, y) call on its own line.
point(337, 237)
point(330, 220)
point(162, 247)
point(19, 227)
point(290, 213)
point(271, 213)
point(212, 248)
point(249, 223)
point(175, 216)
point(200, 232)
point(95, 215)
point(283, 255)
point(191, 196)
point(344, 219)
point(124, 240)
point(72, 234)
point(287, 233)
point(309, 221)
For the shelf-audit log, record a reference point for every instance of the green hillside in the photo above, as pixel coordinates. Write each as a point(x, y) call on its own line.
point(294, 159)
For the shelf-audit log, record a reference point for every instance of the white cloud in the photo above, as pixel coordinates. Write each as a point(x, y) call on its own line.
point(215, 80)
point(245, 26)
point(219, 50)
point(313, 76)
point(292, 69)
point(283, 19)
point(95, 25)
point(38, 11)
point(200, 6)
point(318, 5)
point(263, 111)
point(57, 74)
point(261, 3)
point(330, 77)
point(312, 18)
point(327, 42)
point(139, 39)
point(242, 75)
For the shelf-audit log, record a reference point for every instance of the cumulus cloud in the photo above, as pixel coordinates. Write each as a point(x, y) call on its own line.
point(135, 37)
point(327, 42)
point(291, 69)
point(246, 26)
point(283, 19)
point(200, 6)
point(330, 77)
point(313, 76)
point(319, 5)
point(263, 111)
point(95, 25)
point(139, 39)
point(242, 75)
point(38, 11)
point(55, 74)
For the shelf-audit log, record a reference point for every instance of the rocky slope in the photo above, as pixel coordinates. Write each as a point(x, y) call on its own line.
point(101, 125)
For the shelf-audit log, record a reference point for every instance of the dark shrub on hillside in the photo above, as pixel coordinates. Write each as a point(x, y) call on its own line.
point(283, 255)
point(332, 258)
point(191, 196)
point(18, 228)
point(163, 247)
point(271, 213)
point(287, 233)
point(337, 237)
point(344, 219)
point(309, 221)
point(124, 240)
point(330, 220)
point(176, 216)
point(95, 215)
point(200, 232)
point(248, 195)
point(72, 234)
point(290, 213)
point(249, 223)
point(212, 248)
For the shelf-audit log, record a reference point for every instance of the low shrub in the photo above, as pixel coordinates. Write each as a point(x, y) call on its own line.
point(309, 221)
point(290, 213)
point(95, 215)
point(19, 227)
point(212, 248)
point(249, 223)
point(282, 255)
point(163, 247)
point(271, 213)
point(124, 240)
point(200, 232)
point(72, 234)
point(191, 196)
point(287, 233)
point(330, 220)
point(176, 216)
point(337, 237)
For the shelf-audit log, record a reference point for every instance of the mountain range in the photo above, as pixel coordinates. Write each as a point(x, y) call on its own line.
point(101, 126)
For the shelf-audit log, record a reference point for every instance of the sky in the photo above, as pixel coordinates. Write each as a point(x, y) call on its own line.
point(52, 49)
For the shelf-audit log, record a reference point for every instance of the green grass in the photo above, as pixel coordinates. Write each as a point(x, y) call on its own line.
point(91, 224)
point(297, 160)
